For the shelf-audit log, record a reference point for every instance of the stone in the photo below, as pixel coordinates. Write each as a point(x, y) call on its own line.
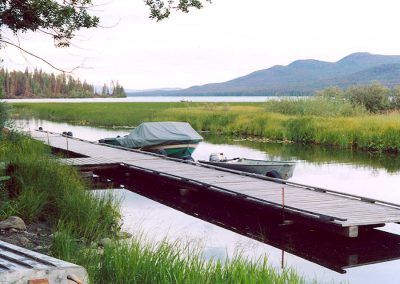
point(22, 240)
point(13, 222)
point(123, 235)
point(105, 242)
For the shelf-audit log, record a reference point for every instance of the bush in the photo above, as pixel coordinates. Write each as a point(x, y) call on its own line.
point(374, 97)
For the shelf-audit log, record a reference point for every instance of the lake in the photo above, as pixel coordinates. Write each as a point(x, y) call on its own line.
point(358, 173)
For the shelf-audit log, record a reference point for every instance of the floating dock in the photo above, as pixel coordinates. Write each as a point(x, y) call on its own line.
point(341, 213)
point(22, 266)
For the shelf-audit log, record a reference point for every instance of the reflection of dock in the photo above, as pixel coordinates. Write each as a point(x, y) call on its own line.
point(331, 251)
point(328, 210)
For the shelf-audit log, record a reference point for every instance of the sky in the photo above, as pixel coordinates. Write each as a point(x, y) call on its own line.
point(224, 40)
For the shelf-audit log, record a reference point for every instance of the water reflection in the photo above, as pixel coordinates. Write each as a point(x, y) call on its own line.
point(283, 244)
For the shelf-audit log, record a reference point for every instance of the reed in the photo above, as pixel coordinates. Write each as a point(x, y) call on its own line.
point(275, 120)
point(141, 261)
point(42, 188)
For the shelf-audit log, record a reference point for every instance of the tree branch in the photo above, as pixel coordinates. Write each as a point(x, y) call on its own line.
point(36, 56)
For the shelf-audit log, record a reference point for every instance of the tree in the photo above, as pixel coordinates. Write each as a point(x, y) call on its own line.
point(160, 10)
point(60, 20)
point(374, 97)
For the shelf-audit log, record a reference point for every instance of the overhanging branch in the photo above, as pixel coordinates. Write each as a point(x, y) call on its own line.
point(36, 56)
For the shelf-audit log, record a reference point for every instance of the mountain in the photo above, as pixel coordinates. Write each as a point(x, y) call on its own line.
point(303, 77)
point(134, 92)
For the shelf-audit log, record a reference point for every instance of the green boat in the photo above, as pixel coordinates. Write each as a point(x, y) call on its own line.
point(172, 139)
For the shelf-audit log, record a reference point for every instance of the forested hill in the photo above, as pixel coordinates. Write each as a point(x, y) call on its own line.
point(38, 84)
point(304, 77)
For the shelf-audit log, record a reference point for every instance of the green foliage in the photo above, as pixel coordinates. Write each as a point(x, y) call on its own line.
point(374, 97)
point(59, 18)
point(140, 261)
point(378, 132)
point(3, 115)
point(160, 9)
point(321, 105)
point(41, 188)
point(301, 129)
point(39, 84)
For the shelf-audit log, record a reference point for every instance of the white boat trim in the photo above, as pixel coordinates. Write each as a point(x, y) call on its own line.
point(159, 147)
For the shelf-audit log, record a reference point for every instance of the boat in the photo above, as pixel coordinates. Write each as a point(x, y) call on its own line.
point(172, 139)
point(274, 169)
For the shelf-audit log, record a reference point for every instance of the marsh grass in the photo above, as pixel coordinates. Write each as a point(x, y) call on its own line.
point(43, 189)
point(309, 121)
point(141, 261)
point(315, 106)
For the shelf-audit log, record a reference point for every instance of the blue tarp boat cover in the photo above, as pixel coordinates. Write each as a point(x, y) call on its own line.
point(160, 133)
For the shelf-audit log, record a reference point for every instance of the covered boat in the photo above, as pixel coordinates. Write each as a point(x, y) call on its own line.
point(274, 169)
point(174, 139)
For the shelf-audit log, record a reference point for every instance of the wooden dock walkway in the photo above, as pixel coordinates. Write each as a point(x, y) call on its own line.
point(343, 213)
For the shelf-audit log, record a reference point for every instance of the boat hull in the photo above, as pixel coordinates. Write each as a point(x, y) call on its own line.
point(179, 151)
point(275, 169)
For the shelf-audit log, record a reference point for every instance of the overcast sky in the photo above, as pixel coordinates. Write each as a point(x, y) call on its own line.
point(226, 39)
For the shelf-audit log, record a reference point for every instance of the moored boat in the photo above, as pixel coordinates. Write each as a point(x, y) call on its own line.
point(274, 169)
point(173, 139)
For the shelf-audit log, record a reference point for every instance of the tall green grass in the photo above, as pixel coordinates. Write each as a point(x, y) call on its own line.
point(278, 120)
point(141, 261)
point(316, 106)
point(43, 189)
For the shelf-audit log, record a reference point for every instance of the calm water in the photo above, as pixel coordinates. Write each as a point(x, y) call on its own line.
point(359, 173)
point(150, 99)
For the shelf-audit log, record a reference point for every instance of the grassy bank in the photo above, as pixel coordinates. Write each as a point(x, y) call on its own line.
point(42, 189)
point(310, 121)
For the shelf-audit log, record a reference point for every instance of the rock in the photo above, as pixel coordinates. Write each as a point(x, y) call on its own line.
point(5, 130)
point(22, 240)
point(105, 242)
point(123, 235)
point(13, 222)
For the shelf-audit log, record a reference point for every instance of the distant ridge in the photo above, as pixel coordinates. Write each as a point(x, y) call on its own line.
point(304, 77)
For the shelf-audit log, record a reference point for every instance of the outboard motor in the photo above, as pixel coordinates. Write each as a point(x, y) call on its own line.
point(217, 157)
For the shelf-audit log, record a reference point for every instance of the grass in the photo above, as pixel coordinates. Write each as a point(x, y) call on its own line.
point(139, 261)
point(314, 121)
point(43, 189)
